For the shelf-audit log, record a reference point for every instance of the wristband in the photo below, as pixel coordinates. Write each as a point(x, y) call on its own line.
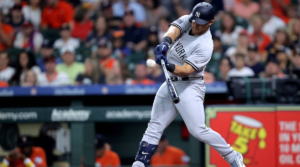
point(170, 67)
point(167, 39)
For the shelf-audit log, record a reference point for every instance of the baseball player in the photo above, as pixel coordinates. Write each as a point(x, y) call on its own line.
point(189, 45)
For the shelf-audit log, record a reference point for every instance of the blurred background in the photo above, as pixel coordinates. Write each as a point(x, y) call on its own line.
point(75, 89)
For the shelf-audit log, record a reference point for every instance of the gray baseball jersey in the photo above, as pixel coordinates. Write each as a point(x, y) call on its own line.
point(196, 51)
point(193, 50)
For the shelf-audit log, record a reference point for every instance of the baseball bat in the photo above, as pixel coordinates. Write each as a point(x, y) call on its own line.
point(171, 87)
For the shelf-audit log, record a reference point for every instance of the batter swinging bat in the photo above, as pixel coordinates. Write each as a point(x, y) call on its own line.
point(170, 84)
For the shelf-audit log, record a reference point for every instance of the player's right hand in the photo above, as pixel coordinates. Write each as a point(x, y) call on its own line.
point(158, 58)
point(162, 48)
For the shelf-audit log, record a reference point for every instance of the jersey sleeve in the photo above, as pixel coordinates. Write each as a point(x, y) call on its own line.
point(182, 23)
point(199, 58)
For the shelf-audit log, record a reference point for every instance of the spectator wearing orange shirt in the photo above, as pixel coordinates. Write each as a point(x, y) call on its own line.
point(109, 66)
point(6, 34)
point(258, 37)
point(82, 23)
point(26, 155)
point(56, 14)
point(167, 155)
point(104, 156)
point(141, 75)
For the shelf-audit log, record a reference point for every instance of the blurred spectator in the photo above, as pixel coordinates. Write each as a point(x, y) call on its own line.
point(241, 46)
point(6, 34)
point(216, 57)
point(270, 22)
point(229, 32)
point(208, 77)
point(120, 8)
point(245, 8)
point(155, 73)
point(66, 40)
point(69, 66)
point(167, 155)
point(272, 69)
point(92, 74)
point(240, 69)
point(100, 32)
point(120, 50)
point(152, 41)
point(163, 26)
point(112, 22)
point(46, 51)
point(141, 75)
point(6, 5)
point(52, 77)
point(104, 156)
point(280, 8)
point(153, 12)
point(296, 63)
point(33, 13)
point(281, 42)
point(17, 19)
point(253, 59)
point(294, 32)
point(109, 66)
point(82, 24)
point(25, 62)
point(261, 39)
point(47, 141)
point(6, 72)
point(26, 154)
point(184, 7)
point(135, 35)
point(283, 61)
point(57, 13)
point(30, 79)
point(224, 68)
point(106, 8)
point(28, 38)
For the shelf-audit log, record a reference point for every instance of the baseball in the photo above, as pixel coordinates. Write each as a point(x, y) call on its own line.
point(151, 63)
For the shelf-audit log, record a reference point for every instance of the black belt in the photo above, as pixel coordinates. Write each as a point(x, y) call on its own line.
point(174, 78)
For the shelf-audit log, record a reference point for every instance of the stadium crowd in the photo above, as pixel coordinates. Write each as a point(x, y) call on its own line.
point(82, 42)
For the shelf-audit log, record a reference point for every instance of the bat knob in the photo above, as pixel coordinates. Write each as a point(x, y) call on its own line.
point(176, 100)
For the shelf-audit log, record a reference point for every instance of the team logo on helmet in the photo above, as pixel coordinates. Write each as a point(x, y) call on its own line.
point(197, 14)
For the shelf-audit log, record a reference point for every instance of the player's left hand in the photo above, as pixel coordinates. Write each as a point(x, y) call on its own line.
point(162, 48)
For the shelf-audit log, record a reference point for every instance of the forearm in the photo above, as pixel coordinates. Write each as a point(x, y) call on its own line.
point(181, 71)
point(173, 32)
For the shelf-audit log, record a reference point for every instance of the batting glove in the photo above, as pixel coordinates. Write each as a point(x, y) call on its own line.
point(162, 48)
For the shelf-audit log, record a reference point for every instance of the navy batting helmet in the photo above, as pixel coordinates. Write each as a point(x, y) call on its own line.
point(202, 13)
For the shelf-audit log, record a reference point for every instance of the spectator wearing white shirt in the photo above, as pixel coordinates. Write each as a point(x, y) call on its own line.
point(271, 22)
point(28, 38)
point(29, 79)
point(6, 72)
point(240, 69)
point(66, 40)
point(229, 32)
point(241, 47)
point(52, 77)
point(33, 13)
